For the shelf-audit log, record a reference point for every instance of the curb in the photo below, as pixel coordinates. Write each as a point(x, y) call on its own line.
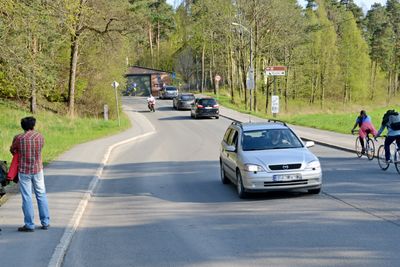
point(61, 249)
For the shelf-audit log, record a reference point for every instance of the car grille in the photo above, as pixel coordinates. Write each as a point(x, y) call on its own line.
point(284, 167)
point(285, 183)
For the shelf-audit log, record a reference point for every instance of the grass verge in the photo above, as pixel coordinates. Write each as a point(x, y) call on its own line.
point(60, 133)
point(339, 120)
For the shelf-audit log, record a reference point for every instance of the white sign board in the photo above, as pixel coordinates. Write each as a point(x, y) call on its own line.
point(275, 104)
point(115, 84)
point(217, 78)
point(275, 71)
point(250, 79)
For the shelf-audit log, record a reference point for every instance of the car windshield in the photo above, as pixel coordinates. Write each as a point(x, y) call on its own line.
point(170, 88)
point(207, 102)
point(187, 97)
point(270, 139)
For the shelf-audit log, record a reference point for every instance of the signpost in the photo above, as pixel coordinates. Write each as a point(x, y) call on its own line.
point(275, 71)
point(275, 104)
point(115, 84)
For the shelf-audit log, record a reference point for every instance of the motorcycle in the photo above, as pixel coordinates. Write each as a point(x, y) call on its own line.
point(151, 105)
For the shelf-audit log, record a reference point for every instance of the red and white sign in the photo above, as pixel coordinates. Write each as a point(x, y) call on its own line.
point(275, 71)
point(217, 78)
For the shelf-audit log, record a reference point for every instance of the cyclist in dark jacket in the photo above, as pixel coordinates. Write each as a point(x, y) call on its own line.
point(391, 121)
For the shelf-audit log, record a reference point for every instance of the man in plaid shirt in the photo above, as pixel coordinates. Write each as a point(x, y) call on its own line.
point(29, 146)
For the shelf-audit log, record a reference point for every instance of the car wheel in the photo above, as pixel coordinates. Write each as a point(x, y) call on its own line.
point(224, 179)
point(217, 117)
point(314, 191)
point(239, 186)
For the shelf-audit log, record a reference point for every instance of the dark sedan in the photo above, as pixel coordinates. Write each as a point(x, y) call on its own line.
point(205, 107)
point(183, 101)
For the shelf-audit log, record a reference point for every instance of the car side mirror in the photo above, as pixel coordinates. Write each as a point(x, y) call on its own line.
point(309, 143)
point(230, 148)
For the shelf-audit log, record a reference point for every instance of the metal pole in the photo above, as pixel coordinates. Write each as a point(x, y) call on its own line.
point(116, 100)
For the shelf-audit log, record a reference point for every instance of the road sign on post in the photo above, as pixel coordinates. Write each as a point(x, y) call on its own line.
point(275, 71)
point(275, 104)
point(250, 79)
point(115, 84)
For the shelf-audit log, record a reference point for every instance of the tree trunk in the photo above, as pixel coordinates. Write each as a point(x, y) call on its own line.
point(286, 89)
point(33, 73)
point(158, 44)
point(212, 65)
point(151, 45)
point(231, 73)
point(72, 75)
point(373, 80)
point(74, 60)
point(203, 73)
point(389, 87)
point(322, 80)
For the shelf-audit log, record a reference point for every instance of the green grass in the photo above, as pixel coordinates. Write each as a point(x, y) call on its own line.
point(60, 133)
point(336, 117)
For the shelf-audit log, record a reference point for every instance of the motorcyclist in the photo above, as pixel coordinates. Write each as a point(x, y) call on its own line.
point(151, 102)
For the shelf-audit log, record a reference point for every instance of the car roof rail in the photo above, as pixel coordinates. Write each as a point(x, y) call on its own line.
point(277, 121)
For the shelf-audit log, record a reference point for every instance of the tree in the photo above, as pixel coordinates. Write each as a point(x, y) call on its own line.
point(380, 36)
point(87, 15)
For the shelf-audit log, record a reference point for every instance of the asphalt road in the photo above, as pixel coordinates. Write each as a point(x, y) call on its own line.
point(160, 203)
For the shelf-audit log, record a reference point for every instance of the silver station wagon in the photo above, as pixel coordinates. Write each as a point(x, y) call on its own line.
point(259, 157)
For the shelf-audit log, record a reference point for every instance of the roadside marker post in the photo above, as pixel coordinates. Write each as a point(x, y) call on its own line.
point(275, 71)
point(115, 84)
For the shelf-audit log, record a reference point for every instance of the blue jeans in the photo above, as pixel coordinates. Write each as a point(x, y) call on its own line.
point(388, 141)
point(25, 186)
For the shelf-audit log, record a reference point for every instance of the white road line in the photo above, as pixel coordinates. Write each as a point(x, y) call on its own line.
point(61, 249)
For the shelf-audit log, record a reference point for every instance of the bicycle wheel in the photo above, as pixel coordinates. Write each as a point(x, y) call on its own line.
point(370, 149)
point(381, 158)
point(358, 147)
point(396, 159)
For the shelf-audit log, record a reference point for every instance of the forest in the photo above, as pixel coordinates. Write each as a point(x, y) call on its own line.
point(62, 55)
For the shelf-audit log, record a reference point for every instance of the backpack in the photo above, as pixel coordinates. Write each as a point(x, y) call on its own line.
point(395, 125)
point(388, 113)
point(3, 173)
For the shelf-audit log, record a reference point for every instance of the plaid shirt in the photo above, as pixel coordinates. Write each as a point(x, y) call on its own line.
point(29, 147)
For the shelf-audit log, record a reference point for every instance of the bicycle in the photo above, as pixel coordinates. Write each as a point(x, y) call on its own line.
point(394, 156)
point(369, 146)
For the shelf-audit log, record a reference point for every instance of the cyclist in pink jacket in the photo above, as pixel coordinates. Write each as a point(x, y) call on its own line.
point(365, 125)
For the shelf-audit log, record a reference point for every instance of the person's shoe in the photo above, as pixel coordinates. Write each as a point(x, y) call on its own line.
point(389, 161)
point(45, 227)
point(363, 151)
point(25, 229)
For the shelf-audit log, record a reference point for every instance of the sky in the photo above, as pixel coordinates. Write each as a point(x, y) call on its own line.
point(364, 4)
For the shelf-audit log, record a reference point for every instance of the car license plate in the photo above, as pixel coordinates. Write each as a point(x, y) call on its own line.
point(208, 107)
point(286, 177)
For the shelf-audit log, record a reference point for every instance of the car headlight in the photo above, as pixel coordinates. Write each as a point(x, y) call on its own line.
point(313, 165)
point(253, 168)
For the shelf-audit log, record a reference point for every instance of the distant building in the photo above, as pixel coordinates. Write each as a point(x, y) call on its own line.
point(147, 80)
